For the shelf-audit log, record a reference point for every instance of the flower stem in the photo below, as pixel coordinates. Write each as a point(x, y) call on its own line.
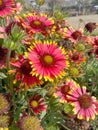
point(10, 81)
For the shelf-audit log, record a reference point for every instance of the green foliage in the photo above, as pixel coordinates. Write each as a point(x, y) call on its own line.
point(53, 116)
point(51, 127)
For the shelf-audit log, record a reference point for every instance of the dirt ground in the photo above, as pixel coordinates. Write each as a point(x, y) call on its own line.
point(80, 21)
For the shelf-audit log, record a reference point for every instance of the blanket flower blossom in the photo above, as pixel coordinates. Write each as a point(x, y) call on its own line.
point(84, 104)
point(47, 60)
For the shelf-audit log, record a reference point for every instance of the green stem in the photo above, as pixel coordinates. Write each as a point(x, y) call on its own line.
point(10, 81)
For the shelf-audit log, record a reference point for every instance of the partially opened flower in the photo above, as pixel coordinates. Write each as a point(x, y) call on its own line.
point(83, 103)
point(48, 60)
point(29, 122)
point(63, 90)
point(90, 27)
point(7, 7)
point(36, 104)
point(73, 35)
point(4, 104)
point(16, 23)
point(4, 121)
point(23, 69)
point(77, 57)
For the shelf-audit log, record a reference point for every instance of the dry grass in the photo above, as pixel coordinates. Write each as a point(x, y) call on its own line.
point(80, 21)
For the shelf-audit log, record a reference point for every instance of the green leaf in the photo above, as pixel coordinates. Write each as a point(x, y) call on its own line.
point(13, 127)
point(2, 75)
point(43, 114)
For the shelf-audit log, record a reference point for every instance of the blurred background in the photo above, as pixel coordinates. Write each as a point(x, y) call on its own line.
point(71, 7)
point(76, 12)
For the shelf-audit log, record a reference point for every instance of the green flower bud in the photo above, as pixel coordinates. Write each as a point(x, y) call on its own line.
point(39, 2)
point(80, 47)
point(68, 108)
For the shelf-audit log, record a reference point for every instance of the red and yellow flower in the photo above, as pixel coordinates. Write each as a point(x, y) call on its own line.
point(63, 90)
point(48, 61)
point(37, 23)
point(72, 34)
point(36, 104)
point(23, 70)
point(7, 7)
point(77, 57)
point(83, 103)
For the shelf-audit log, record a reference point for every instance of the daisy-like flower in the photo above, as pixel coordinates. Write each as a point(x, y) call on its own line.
point(7, 7)
point(73, 35)
point(63, 90)
point(47, 60)
point(3, 57)
point(23, 69)
point(83, 103)
point(36, 104)
point(29, 122)
point(4, 104)
point(18, 21)
point(37, 23)
point(4, 121)
point(10, 25)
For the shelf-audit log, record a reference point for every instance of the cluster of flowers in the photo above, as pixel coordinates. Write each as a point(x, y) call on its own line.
point(42, 58)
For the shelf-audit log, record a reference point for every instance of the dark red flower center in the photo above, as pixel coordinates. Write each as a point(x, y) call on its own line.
point(3, 53)
point(96, 42)
point(36, 24)
point(65, 89)
point(76, 35)
point(96, 51)
point(75, 57)
point(9, 27)
point(47, 60)
point(90, 27)
point(85, 101)
point(2, 5)
point(25, 67)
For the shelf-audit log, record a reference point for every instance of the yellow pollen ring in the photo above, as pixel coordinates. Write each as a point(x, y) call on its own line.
point(37, 22)
point(34, 103)
point(48, 59)
point(4, 128)
point(1, 2)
